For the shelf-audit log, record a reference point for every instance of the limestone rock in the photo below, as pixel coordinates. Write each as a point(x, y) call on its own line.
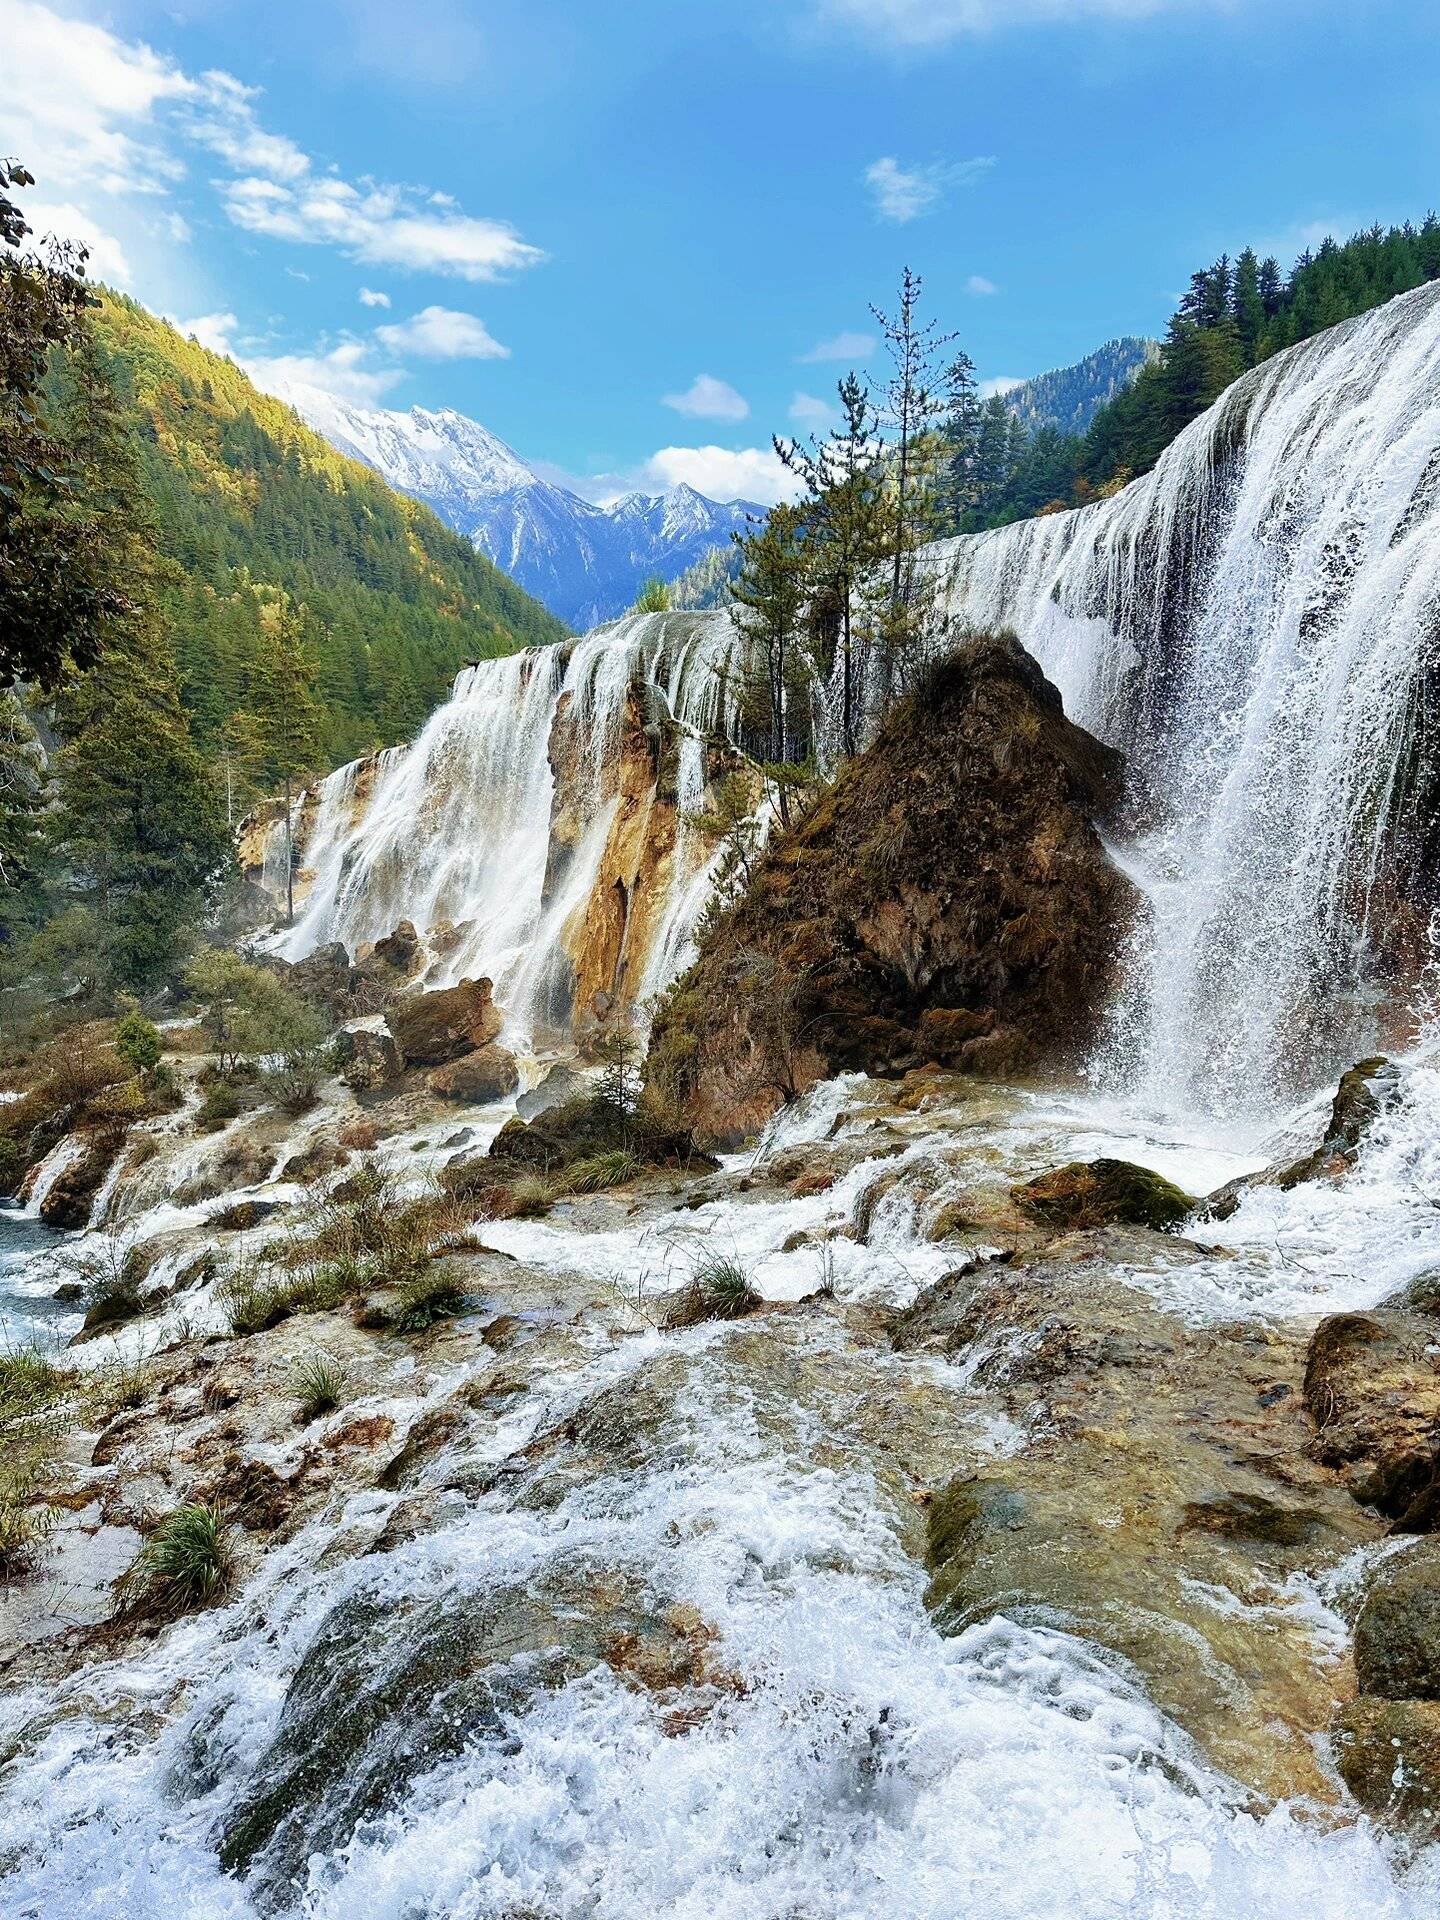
point(1397, 1636)
point(1388, 1752)
point(392, 962)
point(371, 1061)
point(431, 1028)
point(1372, 1386)
point(948, 897)
point(1098, 1193)
point(485, 1075)
point(72, 1195)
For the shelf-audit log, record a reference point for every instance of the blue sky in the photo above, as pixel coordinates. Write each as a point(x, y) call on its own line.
point(623, 235)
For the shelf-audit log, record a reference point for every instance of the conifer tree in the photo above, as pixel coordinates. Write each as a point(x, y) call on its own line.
point(276, 734)
point(768, 604)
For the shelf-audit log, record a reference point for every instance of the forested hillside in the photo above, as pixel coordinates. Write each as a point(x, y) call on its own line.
point(1235, 314)
point(247, 500)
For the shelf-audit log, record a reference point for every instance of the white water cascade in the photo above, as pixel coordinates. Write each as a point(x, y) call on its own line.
point(458, 827)
point(1256, 623)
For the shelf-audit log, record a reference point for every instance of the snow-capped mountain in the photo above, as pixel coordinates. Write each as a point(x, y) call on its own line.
point(584, 562)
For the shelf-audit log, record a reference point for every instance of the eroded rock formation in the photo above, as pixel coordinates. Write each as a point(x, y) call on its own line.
point(949, 898)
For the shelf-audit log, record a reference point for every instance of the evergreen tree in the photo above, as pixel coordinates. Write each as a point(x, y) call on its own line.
point(844, 517)
point(136, 823)
point(768, 603)
point(276, 735)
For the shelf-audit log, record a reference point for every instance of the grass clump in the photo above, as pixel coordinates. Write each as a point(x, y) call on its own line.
point(185, 1563)
point(719, 1289)
point(319, 1384)
point(599, 1171)
point(532, 1197)
point(32, 1390)
point(431, 1295)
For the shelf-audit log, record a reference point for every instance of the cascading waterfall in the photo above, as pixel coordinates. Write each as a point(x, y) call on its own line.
point(458, 827)
point(1253, 622)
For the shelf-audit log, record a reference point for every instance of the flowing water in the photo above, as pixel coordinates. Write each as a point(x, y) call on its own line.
point(1253, 624)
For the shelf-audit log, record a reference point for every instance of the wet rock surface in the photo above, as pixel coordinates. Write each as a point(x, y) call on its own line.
point(430, 1028)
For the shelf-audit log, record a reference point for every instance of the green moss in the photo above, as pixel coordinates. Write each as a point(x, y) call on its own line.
point(1097, 1193)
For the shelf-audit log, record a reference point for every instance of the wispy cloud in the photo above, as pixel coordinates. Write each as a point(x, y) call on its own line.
point(440, 333)
point(213, 330)
point(919, 23)
point(901, 194)
point(346, 371)
point(370, 298)
point(707, 398)
point(812, 414)
point(849, 347)
point(980, 286)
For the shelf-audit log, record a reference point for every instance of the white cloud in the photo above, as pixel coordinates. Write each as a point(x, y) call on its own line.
point(1002, 383)
point(902, 194)
point(343, 371)
point(226, 124)
point(381, 225)
point(213, 330)
point(919, 23)
point(78, 105)
point(97, 116)
point(851, 347)
point(439, 333)
point(978, 284)
point(370, 298)
point(107, 259)
point(752, 473)
point(707, 398)
point(812, 414)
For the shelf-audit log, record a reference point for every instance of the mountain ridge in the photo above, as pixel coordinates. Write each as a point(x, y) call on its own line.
point(582, 560)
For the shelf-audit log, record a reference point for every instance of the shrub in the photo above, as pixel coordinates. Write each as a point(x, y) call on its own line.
point(719, 1289)
point(222, 1102)
point(137, 1041)
point(31, 1386)
point(653, 597)
point(319, 1383)
point(250, 1013)
point(185, 1563)
point(26, 1519)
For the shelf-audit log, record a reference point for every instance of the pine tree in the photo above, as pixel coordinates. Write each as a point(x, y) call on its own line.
point(845, 530)
point(768, 605)
point(276, 735)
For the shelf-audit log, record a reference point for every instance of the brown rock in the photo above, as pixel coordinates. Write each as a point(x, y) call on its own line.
point(487, 1074)
point(1388, 1752)
point(431, 1028)
point(1097, 1193)
point(1372, 1387)
point(393, 961)
point(72, 1195)
point(371, 1061)
point(1397, 1636)
point(948, 897)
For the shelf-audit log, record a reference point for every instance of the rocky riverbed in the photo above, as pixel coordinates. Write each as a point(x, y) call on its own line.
point(987, 1546)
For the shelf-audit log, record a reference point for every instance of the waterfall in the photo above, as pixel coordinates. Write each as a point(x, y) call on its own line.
point(1254, 623)
point(460, 829)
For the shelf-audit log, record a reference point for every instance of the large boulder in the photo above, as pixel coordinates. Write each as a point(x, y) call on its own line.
point(392, 962)
point(1388, 1752)
point(370, 1061)
point(1101, 1193)
point(431, 1028)
point(480, 1077)
point(1397, 1636)
point(1372, 1387)
point(949, 898)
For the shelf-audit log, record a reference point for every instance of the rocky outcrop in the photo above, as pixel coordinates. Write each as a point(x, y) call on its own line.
point(1372, 1386)
point(1397, 1634)
point(948, 897)
point(431, 1028)
point(1171, 1467)
point(1099, 1193)
point(370, 1061)
point(1366, 1092)
point(487, 1074)
point(71, 1196)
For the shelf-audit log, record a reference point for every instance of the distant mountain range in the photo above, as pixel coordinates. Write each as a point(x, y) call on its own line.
point(584, 562)
point(1070, 397)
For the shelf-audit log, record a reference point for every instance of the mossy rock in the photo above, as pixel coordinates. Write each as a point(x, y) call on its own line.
point(1397, 1636)
point(1099, 1193)
point(1388, 1753)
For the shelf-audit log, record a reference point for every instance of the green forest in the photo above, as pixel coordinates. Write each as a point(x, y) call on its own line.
point(1235, 314)
point(248, 503)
